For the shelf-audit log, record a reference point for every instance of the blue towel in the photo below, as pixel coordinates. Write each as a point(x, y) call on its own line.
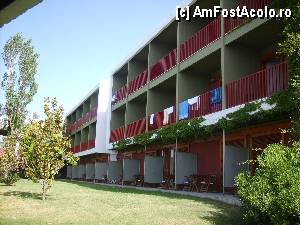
point(216, 96)
point(183, 110)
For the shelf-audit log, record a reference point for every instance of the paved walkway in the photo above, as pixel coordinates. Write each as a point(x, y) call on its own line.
point(226, 198)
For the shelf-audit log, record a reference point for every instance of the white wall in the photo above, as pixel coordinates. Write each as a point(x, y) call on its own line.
point(233, 157)
point(153, 169)
point(185, 165)
point(103, 116)
point(69, 171)
point(90, 171)
point(131, 167)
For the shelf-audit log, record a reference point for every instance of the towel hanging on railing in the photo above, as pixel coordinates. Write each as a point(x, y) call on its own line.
point(183, 110)
point(215, 96)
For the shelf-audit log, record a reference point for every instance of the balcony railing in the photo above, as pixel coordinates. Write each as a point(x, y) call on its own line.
point(162, 118)
point(204, 104)
point(138, 82)
point(89, 116)
point(117, 134)
point(120, 94)
point(77, 148)
point(136, 128)
point(163, 65)
point(84, 146)
point(232, 23)
point(201, 39)
point(259, 85)
point(92, 143)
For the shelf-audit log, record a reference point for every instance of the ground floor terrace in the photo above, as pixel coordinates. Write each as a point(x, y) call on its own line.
point(197, 166)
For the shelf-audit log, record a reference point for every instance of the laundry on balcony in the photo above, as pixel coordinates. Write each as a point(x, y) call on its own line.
point(193, 100)
point(215, 96)
point(167, 112)
point(114, 99)
point(152, 119)
point(183, 110)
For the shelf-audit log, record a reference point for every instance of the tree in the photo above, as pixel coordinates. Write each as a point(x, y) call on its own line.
point(45, 145)
point(272, 195)
point(18, 82)
point(290, 46)
point(10, 161)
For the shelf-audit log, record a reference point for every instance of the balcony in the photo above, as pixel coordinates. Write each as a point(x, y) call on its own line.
point(261, 84)
point(117, 134)
point(138, 82)
point(201, 105)
point(84, 146)
point(120, 94)
point(136, 128)
point(162, 118)
point(201, 39)
point(163, 65)
point(232, 23)
point(77, 148)
point(89, 116)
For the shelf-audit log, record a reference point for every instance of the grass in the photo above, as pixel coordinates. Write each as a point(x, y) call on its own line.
point(81, 203)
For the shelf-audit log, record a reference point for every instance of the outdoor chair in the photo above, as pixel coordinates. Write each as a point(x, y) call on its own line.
point(207, 181)
point(139, 180)
point(168, 182)
point(187, 184)
point(104, 179)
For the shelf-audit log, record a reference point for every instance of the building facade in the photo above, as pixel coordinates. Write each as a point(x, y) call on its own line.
point(88, 127)
point(202, 68)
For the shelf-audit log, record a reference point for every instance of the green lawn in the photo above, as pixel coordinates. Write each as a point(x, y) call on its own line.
point(81, 203)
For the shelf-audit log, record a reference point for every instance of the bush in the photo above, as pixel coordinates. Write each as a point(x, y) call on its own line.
point(10, 178)
point(272, 195)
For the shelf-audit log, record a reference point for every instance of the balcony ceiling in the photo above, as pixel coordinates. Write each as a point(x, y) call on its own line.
point(140, 99)
point(10, 9)
point(205, 4)
point(262, 36)
point(208, 65)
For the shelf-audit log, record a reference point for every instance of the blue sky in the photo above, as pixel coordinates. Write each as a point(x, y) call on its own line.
point(81, 44)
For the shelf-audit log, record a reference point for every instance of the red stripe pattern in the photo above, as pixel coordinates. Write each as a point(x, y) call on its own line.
point(138, 82)
point(121, 93)
point(136, 128)
point(259, 85)
point(232, 23)
point(83, 146)
point(163, 65)
point(89, 116)
point(201, 39)
point(117, 134)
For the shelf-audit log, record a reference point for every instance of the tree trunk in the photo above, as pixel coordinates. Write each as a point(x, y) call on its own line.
point(44, 189)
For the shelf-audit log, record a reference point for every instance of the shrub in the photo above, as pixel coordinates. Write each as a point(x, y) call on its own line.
point(272, 195)
point(10, 178)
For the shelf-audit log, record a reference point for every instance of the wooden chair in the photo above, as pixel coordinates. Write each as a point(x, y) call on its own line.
point(203, 183)
point(139, 180)
point(212, 182)
point(208, 181)
point(168, 182)
point(187, 184)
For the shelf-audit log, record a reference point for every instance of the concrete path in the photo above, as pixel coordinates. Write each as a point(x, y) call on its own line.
point(225, 198)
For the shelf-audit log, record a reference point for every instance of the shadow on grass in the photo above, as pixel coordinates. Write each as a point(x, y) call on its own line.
point(23, 194)
point(225, 217)
point(224, 214)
